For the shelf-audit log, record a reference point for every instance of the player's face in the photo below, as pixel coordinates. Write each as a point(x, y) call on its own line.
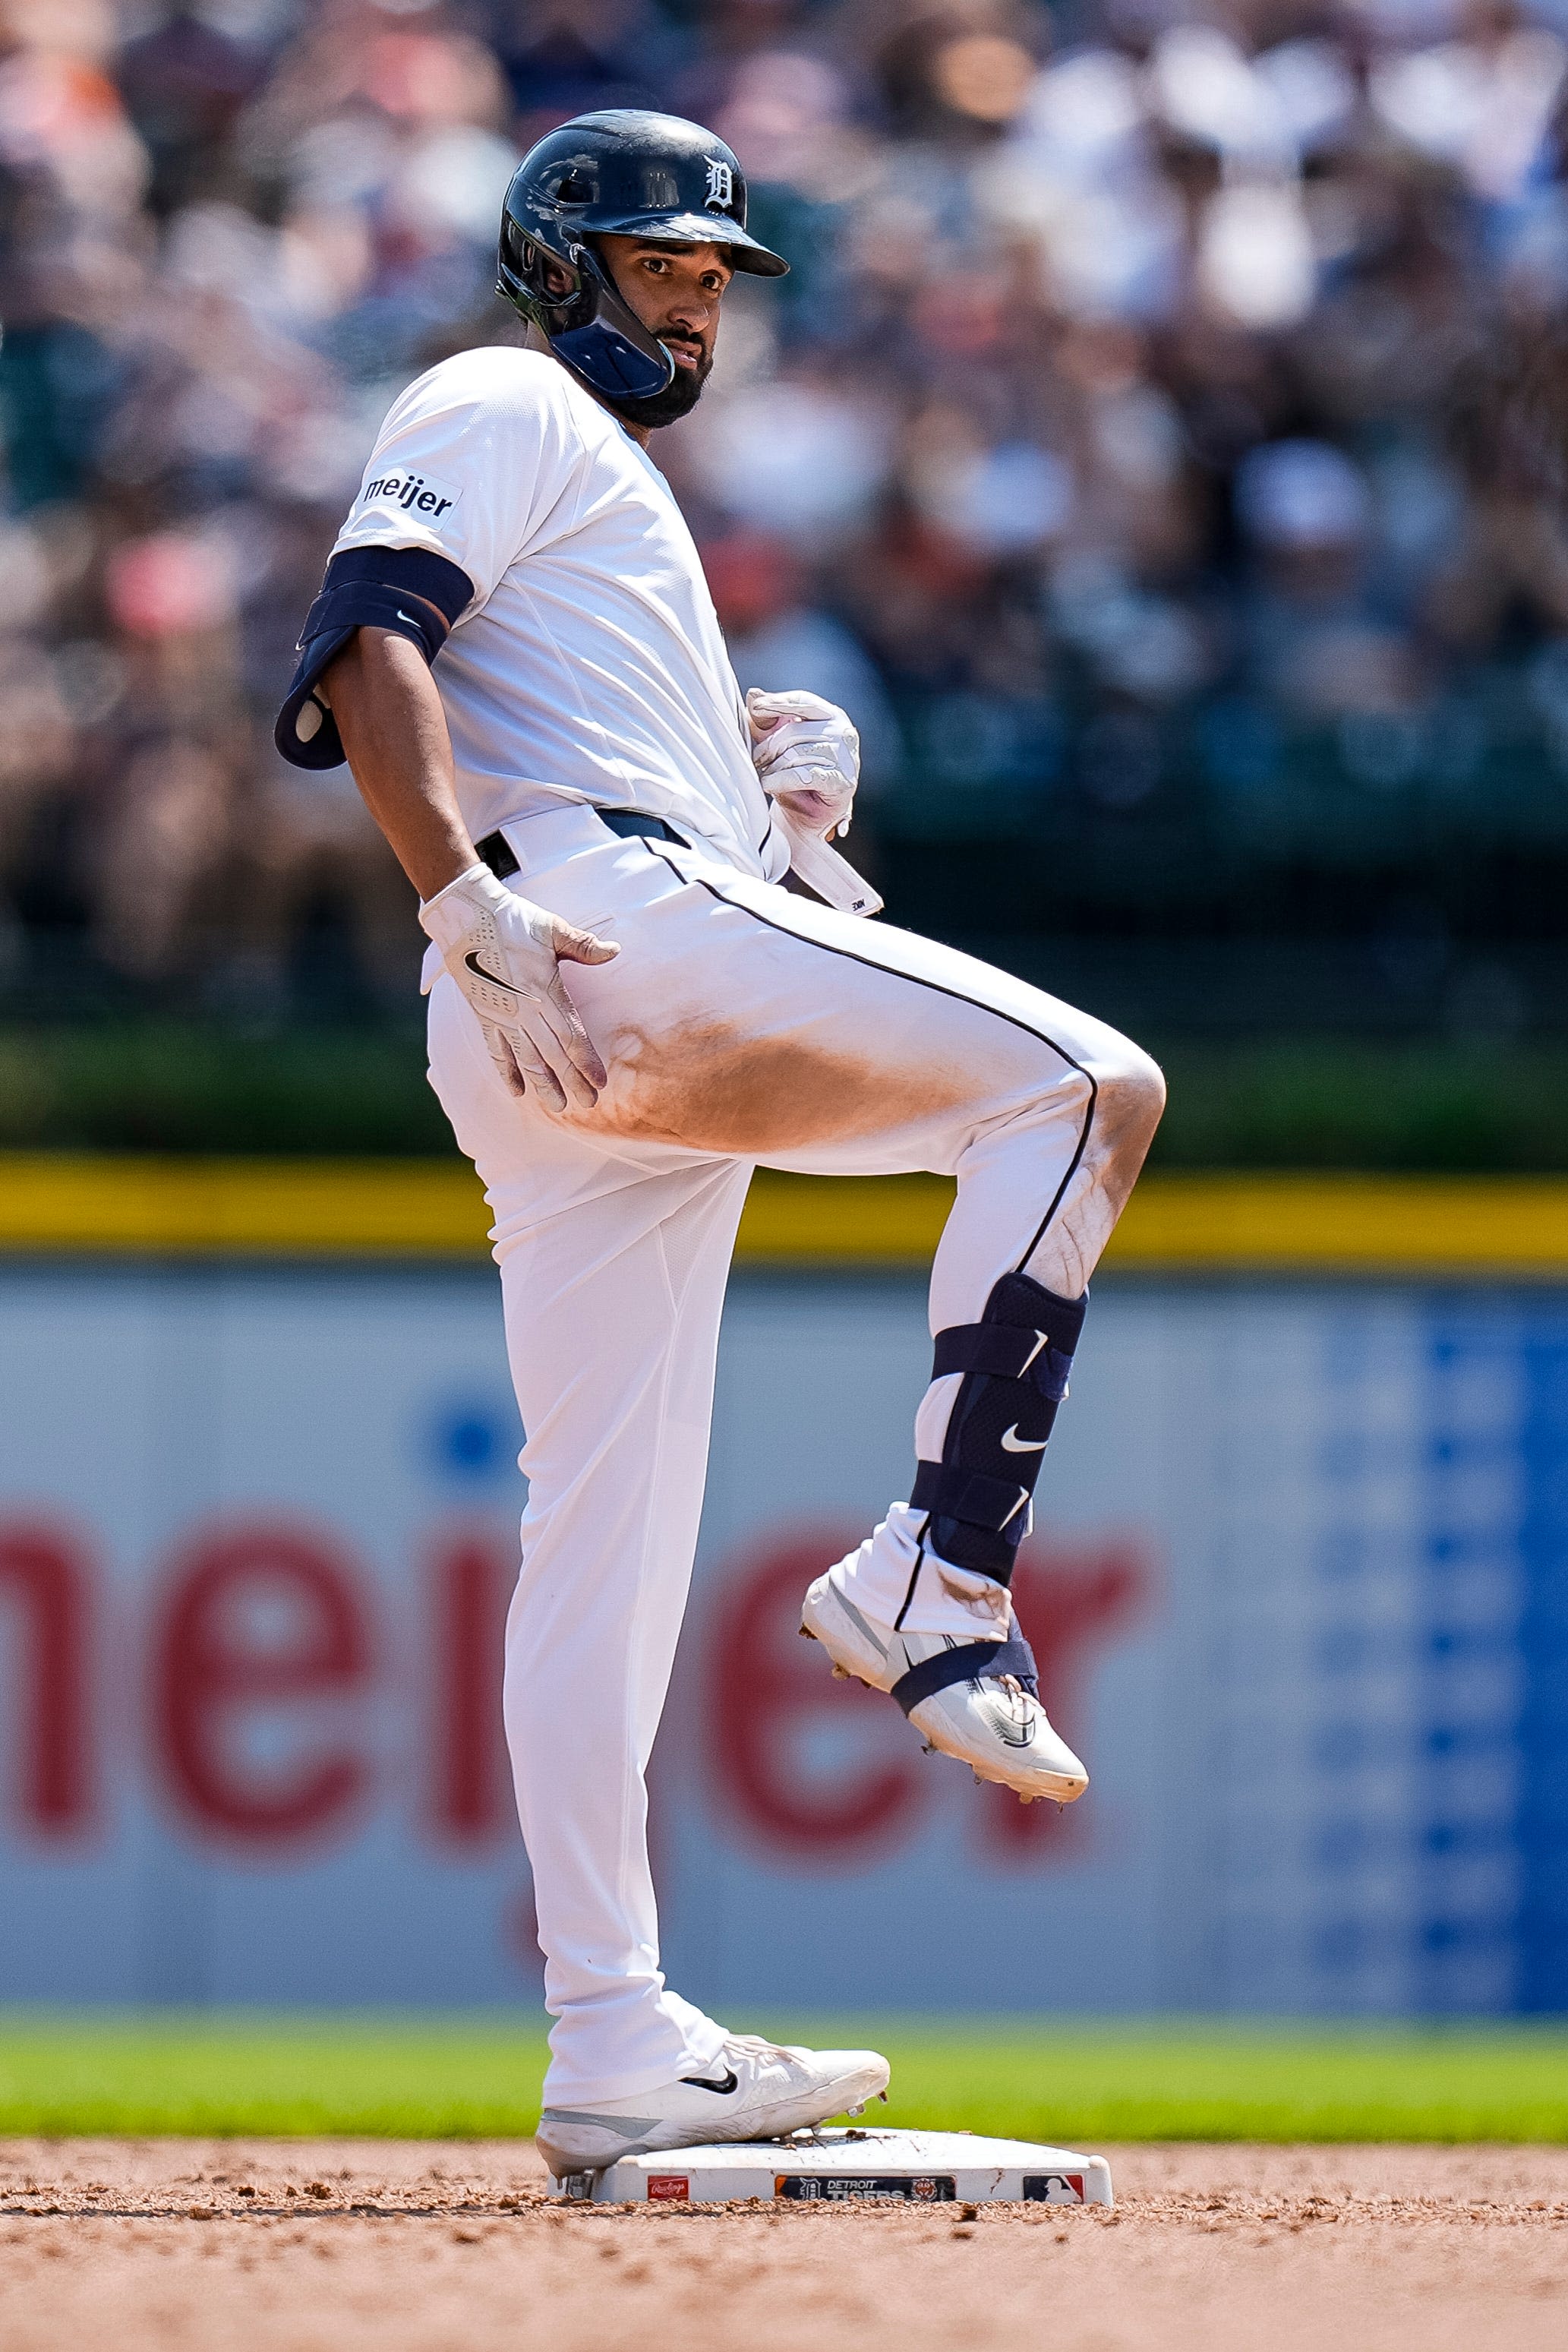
point(676, 292)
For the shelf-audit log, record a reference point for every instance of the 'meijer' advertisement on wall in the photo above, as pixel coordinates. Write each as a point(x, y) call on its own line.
point(1294, 1587)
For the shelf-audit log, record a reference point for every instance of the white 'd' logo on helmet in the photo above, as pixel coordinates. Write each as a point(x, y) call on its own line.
point(720, 184)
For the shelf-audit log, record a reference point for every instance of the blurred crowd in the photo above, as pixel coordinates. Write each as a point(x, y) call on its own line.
point(1159, 437)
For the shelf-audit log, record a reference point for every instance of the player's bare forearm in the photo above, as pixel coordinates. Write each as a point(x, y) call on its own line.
point(393, 729)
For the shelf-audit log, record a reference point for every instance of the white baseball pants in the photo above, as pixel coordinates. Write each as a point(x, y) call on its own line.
point(741, 1026)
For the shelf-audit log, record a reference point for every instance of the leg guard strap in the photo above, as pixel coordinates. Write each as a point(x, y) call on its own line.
point(1040, 1358)
point(953, 1493)
point(966, 1662)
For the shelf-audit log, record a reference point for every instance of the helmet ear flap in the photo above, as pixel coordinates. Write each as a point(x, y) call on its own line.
point(612, 351)
point(544, 287)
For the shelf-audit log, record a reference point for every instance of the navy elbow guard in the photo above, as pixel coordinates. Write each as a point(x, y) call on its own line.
point(407, 590)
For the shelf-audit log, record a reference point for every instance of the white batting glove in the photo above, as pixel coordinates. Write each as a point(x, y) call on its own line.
point(808, 755)
point(504, 954)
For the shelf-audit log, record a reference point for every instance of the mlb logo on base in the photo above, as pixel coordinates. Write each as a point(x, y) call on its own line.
point(1054, 2189)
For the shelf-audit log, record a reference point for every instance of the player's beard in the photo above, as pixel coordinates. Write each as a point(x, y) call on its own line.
point(678, 399)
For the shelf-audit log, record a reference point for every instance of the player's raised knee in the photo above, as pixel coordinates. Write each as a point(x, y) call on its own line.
point(1131, 1097)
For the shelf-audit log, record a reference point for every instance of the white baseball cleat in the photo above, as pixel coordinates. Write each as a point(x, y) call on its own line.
point(754, 2090)
point(987, 1719)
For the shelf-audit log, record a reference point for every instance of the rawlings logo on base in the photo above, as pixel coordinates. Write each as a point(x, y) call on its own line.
point(669, 2188)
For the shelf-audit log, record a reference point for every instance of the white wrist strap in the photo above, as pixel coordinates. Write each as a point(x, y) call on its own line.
point(470, 874)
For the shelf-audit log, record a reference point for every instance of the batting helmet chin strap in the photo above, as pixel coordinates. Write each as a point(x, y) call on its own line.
point(610, 348)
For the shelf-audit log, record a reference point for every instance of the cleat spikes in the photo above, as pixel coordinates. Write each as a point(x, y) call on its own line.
point(858, 2109)
point(843, 1675)
point(806, 1633)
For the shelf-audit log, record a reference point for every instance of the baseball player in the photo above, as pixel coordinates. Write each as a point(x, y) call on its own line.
point(516, 649)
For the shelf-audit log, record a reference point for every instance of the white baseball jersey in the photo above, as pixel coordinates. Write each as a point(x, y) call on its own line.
point(590, 664)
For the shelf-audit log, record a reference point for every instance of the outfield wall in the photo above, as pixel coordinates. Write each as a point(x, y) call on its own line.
point(1297, 1590)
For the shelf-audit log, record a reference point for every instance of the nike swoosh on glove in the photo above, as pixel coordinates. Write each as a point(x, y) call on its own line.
point(808, 754)
point(506, 953)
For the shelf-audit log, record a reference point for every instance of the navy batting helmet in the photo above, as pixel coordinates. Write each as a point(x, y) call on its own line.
point(622, 172)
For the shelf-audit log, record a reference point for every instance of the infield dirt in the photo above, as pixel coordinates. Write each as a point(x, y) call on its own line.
point(339, 2246)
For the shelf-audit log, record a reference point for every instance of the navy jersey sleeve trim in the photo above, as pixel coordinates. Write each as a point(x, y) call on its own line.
point(408, 589)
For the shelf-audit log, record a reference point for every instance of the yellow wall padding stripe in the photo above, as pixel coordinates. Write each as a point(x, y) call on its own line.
point(269, 1208)
point(1360, 1225)
point(72, 1206)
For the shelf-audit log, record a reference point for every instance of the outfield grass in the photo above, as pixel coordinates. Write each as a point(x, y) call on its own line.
point(163, 1083)
point(1072, 2082)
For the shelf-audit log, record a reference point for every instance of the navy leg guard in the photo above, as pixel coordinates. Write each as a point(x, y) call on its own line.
point(1015, 1361)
